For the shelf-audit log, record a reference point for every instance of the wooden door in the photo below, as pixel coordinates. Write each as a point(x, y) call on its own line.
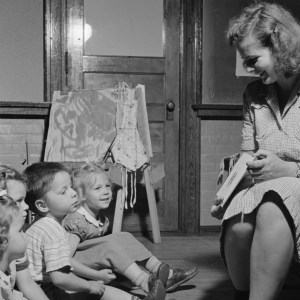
point(160, 75)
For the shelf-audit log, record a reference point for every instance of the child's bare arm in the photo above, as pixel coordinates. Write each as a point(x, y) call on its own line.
point(106, 275)
point(28, 286)
point(73, 242)
point(71, 282)
point(79, 269)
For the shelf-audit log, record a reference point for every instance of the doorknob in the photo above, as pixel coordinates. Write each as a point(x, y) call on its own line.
point(170, 109)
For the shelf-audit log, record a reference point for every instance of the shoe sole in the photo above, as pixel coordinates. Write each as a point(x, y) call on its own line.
point(163, 273)
point(161, 291)
point(173, 287)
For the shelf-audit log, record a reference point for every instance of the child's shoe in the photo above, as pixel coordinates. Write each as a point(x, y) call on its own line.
point(156, 289)
point(179, 277)
point(163, 273)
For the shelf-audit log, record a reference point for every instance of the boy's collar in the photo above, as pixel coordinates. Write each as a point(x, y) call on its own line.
point(88, 217)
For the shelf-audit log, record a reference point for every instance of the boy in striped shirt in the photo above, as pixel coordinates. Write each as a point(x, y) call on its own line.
point(51, 196)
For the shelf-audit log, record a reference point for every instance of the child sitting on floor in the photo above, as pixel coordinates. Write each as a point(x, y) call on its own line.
point(12, 246)
point(51, 196)
point(14, 185)
point(119, 251)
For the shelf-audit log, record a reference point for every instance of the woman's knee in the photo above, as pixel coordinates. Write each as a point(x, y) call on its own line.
point(269, 214)
point(239, 230)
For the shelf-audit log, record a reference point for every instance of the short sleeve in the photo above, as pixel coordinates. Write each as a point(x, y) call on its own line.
point(22, 263)
point(56, 254)
point(76, 224)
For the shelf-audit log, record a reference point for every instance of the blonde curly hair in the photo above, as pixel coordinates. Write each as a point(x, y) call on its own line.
point(84, 175)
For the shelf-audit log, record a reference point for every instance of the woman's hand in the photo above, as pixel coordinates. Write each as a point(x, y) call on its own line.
point(268, 166)
point(217, 211)
point(106, 275)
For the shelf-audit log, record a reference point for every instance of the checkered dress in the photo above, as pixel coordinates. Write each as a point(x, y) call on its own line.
point(265, 127)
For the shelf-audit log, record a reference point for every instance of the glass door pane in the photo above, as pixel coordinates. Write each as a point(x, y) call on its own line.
point(124, 27)
point(21, 51)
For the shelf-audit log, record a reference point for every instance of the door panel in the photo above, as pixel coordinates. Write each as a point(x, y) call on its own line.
point(160, 75)
point(154, 83)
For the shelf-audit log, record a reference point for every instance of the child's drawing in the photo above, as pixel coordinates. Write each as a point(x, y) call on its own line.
point(82, 125)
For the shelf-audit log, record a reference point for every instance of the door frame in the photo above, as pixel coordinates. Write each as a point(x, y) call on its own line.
point(56, 73)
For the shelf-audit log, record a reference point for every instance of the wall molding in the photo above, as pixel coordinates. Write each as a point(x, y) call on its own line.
point(218, 112)
point(28, 110)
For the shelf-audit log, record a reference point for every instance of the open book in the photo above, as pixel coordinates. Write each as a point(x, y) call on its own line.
point(235, 176)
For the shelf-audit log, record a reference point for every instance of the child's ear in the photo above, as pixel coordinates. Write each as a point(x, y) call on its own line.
point(2, 181)
point(41, 205)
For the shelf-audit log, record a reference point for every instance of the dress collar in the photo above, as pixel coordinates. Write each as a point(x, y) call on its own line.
point(88, 217)
point(7, 279)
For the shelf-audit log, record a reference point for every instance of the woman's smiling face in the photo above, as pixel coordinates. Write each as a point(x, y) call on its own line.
point(257, 59)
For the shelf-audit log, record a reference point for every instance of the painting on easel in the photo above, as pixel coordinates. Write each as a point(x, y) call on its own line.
point(83, 124)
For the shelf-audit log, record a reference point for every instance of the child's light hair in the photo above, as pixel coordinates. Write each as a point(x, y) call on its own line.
point(9, 211)
point(84, 176)
point(8, 173)
point(40, 177)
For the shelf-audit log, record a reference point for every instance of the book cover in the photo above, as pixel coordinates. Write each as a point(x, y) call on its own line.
point(235, 176)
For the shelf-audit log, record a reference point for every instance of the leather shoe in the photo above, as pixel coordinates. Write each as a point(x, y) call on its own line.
point(179, 277)
point(156, 289)
point(163, 273)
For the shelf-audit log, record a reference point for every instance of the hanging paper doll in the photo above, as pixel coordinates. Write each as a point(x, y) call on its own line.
point(127, 149)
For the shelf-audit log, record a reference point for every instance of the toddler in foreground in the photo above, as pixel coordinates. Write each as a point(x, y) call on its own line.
point(13, 184)
point(51, 196)
point(12, 247)
point(119, 251)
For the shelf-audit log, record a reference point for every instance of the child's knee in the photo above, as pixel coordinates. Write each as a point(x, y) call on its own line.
point(125, 234)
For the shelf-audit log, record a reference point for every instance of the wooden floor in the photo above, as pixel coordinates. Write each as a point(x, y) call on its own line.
point(212, 282)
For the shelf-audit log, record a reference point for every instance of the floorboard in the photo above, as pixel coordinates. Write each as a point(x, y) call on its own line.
point(212, 281)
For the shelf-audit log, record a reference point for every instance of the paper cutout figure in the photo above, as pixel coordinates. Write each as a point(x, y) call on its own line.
point(127, 148)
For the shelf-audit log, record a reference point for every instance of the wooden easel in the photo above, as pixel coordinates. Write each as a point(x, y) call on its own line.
point(119, 209)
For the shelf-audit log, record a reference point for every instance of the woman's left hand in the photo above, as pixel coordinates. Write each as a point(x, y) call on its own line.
point(217, 210)
point(268, 166)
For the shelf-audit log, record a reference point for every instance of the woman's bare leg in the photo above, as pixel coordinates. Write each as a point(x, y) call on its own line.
point(237, 245)
point(271, 253)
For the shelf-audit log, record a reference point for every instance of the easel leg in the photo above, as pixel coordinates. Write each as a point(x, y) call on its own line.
point(152, 208)
point(119, 209)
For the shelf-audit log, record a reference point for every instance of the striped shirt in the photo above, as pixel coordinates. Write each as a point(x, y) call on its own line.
point(47, 248)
